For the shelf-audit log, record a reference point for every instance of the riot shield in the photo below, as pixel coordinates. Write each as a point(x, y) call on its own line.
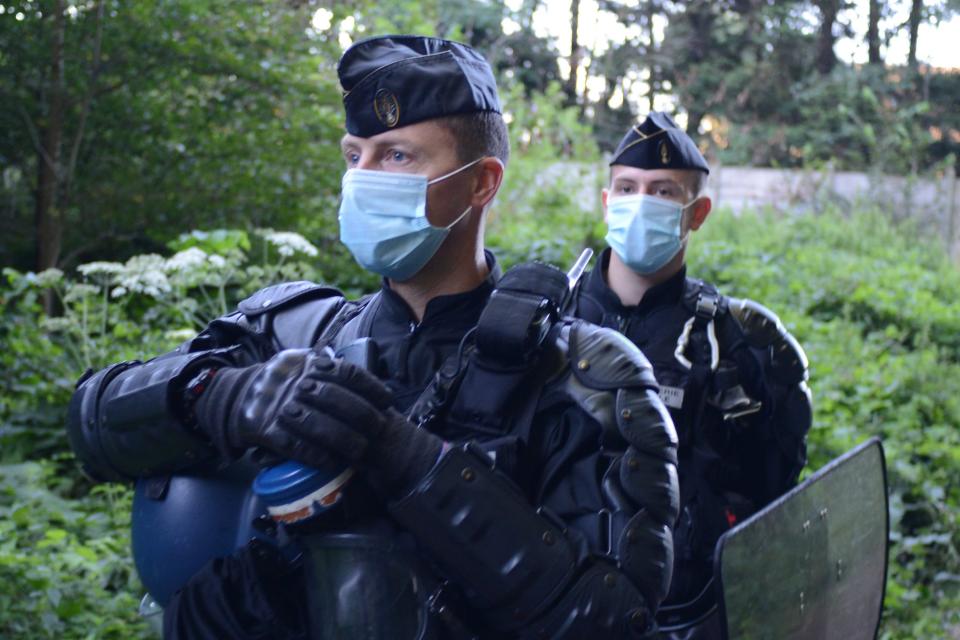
point(812, 564)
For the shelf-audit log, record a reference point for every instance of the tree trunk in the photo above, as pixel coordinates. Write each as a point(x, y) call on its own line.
point(47, 215)
point(826, 59)
point(651, 58)
point(873, 33)
point(575, 53)
point(916, 9)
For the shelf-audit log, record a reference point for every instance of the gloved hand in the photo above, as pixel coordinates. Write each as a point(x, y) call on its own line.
point(308, 406)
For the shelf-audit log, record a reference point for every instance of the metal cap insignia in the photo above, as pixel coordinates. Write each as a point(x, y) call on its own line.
point(664, 153)
point(387, 108)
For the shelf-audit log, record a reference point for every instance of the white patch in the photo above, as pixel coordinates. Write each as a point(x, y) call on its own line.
point(671, 396)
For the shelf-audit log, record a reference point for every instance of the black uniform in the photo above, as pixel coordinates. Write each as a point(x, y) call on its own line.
point(567, 534)
point(741, 408)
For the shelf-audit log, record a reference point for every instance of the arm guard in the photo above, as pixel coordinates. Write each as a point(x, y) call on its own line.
point(785, 367)
point(125, 421)
point(129, 420)
point(518, 567)
point(522, 569)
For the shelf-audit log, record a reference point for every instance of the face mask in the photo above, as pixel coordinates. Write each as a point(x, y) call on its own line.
point(383, 220)
point(645, 231)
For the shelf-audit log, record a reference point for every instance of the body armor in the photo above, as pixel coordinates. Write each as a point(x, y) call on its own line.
point(734, 381)
point(507, 569)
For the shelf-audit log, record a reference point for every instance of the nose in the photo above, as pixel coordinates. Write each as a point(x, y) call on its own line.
point(367, 160)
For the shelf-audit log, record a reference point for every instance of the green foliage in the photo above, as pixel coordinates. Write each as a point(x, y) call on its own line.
point(877, 308)
point(196, 115)
point(875, 305)
point(64, 566)
point(127, 311)
point(548, 205)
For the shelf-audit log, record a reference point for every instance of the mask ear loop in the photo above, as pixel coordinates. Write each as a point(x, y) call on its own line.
point(444, 177)
point(454, 172)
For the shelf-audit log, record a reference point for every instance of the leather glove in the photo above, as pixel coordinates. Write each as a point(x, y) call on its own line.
point(310, 407)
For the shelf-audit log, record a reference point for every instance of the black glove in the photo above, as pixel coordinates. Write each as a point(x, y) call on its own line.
point(308, 406)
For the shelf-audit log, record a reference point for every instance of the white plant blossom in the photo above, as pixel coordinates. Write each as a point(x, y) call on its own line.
point(49, 277)
point(288, 242)
point(143, 274)
point(79, 291)
point(54, 325)
point(192, 258)
point(216, 261)
point(100, 267)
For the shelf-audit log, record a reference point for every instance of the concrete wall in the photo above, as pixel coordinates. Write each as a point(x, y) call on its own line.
point(935, 203)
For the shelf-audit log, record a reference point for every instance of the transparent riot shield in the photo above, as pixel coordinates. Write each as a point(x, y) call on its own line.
point(812, 564)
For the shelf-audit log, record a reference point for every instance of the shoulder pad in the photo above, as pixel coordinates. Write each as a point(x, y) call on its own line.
point(275, 296)
point(763, 329)
point(604, 359)
point(695, 291)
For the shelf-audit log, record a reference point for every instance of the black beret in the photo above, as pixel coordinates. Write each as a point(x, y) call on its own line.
point(393, 81)
point(658, 143)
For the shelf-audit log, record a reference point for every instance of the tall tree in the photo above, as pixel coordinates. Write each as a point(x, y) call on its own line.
point(913, 25)
point(873, 33)
point(127, 123)
point(576, 52)
point(826, 58)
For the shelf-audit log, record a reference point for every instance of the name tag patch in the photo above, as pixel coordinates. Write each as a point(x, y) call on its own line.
point(671, 396)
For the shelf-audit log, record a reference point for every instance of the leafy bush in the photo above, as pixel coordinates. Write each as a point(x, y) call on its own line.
point(65, 570)
point(877, 308)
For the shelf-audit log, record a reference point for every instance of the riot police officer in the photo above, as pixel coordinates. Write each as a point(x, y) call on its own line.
point(513, 470)
point(731, 375)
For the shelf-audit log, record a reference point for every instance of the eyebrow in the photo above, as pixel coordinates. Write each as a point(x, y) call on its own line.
point(347, 143)
point(666, 181)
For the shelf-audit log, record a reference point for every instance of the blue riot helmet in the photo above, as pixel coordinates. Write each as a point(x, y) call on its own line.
point(179, 523)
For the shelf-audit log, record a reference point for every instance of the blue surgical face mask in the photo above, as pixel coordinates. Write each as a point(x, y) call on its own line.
point(383, 220)
point(645, 231)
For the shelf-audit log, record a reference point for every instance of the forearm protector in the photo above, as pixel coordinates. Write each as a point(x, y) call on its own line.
point(786, 370)
point(516, 566)
point(128, 421)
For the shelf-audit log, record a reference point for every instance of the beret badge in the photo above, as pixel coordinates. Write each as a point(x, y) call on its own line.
point(664, 152)
point(387, 108)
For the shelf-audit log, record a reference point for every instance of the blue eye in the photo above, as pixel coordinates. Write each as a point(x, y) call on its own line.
point(398, 156)
point(351, 158)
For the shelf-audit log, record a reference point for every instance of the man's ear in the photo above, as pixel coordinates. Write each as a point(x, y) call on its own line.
point(604, 195)
point(489, 176)
point(699, 211)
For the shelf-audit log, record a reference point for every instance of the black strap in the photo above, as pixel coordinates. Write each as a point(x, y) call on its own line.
point(520, 312)
point(353, 321)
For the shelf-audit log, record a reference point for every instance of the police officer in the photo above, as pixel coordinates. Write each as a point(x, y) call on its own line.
point(731, 375)
point(514, 471)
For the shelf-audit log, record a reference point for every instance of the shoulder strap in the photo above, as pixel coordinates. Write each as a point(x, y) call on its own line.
point(352, 322)
point(495, 361)
point(705, 303)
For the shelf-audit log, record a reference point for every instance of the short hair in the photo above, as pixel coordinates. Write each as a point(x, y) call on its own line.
point(478, 134)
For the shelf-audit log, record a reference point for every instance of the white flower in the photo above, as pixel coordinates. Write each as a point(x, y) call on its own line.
point(144, 274)
point(93, 268)
point(192, 258)
point(288, 242)
point(55, 324)
point(217, 262)
point(79, 291)
point(49, 277)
